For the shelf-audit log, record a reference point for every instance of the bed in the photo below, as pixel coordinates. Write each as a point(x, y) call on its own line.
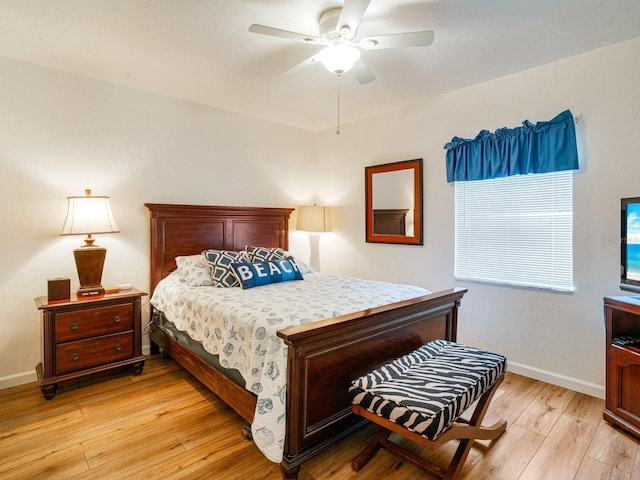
point(321, 357)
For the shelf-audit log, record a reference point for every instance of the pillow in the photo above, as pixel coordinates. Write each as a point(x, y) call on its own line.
point(263, 273)
point(303, 267)
point(194, 270)
point(264, 254)
point(220, 266)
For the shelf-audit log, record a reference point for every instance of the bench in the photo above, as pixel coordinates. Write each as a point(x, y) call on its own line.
point(421, 397)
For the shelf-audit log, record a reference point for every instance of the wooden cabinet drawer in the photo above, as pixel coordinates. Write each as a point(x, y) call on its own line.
point(625, 388)
point(79, 324)
point(94, 351)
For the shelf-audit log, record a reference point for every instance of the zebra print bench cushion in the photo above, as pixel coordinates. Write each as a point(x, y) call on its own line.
point(428, 389)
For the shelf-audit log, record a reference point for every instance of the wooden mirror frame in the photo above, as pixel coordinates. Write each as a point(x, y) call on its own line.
point(416, 167)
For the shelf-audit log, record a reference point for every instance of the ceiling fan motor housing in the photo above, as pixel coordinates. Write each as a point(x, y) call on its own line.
point(329, 26)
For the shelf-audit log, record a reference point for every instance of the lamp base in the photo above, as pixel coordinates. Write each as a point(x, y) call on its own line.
point(314, 251)
point(89, 263)
point(90, 291)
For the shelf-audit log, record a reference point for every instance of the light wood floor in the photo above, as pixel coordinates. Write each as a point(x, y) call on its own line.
point(164, 424)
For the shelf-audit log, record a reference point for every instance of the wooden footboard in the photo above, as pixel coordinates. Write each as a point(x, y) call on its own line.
point(324, 357)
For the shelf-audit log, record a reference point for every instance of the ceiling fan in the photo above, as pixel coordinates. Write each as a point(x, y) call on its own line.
point(338, 29)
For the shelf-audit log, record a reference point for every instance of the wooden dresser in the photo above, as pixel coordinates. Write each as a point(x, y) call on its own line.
point(622, 316)
point(88, 335)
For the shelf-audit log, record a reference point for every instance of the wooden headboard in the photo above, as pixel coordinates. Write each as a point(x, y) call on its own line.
point(190, 229)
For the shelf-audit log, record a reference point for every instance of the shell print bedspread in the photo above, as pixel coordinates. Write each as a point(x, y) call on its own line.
point(241, 327)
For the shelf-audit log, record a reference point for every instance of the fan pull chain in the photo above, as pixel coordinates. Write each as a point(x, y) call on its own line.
point(338, 127)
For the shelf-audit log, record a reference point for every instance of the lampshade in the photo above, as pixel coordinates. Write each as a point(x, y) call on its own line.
point(338, 58)
point(314, 219)
point(85, 216)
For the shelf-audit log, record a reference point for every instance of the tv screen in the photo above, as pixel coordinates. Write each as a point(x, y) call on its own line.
point(630, 244)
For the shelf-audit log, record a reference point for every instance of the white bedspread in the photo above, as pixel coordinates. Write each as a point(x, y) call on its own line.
point(240, 326)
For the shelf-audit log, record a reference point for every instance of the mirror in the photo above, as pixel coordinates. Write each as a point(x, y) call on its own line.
point(394, 202)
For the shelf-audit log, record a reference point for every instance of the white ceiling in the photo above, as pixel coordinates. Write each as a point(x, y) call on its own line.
point(201, 50)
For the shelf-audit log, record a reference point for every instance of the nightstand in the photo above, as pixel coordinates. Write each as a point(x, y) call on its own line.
point(89, 335)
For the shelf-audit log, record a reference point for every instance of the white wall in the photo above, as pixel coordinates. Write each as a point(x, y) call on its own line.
point(60, 134)
point(550, 336)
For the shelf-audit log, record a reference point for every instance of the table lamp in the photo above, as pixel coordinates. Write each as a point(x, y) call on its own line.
point(86, 216)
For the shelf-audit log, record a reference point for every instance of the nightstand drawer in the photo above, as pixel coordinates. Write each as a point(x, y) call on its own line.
point(94, 351)
point(90, 323)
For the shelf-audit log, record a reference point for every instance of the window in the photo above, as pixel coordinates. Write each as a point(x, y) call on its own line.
point(516, 230)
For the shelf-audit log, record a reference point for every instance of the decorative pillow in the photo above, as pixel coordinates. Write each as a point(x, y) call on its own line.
point(194, 270)
point(264, 254)
point(303, 267)
point(262, 273)
point(220, 264)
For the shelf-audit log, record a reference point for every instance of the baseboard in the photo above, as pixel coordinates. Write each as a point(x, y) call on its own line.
point(18, 379)
point(574, 384)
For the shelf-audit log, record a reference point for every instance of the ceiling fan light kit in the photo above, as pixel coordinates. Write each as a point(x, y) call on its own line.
point(338, 58)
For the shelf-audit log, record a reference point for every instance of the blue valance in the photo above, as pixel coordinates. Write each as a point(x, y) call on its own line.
point(540, 148)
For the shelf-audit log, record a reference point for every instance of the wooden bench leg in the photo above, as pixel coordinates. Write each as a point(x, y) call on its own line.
point(466, 432)
point(475, 422)
point(416, 460)
point(370, 450)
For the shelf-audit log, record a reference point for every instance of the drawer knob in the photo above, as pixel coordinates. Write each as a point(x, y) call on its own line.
point(118, 347)
point(75, 356)
point(74, 326)
point(96, 315)
point(117, 318)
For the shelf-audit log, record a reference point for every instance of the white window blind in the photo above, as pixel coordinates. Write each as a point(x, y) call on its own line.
point(516, 230)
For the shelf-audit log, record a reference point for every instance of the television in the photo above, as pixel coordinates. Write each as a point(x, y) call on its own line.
point(630, 244)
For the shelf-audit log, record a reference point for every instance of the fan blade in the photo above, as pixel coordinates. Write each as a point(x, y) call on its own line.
point(362, 73)
point(309, 62)
point(276, 32)
point(351, 14)
point(398, 40)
